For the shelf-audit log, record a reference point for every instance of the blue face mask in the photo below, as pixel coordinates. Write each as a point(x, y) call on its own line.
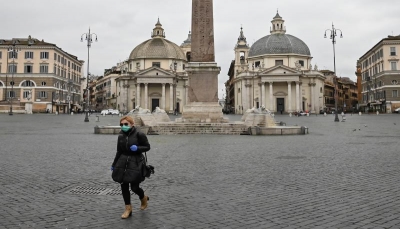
point(125, 128)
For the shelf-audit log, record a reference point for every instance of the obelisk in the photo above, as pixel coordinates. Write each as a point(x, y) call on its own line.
point(202, 70)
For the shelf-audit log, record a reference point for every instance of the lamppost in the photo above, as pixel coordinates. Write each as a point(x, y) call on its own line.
point(14, 52)
point(88, 38)
point(333, 35)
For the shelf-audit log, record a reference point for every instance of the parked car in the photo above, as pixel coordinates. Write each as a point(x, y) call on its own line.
point(104, 112)
point(114, 112)
point(397, 110)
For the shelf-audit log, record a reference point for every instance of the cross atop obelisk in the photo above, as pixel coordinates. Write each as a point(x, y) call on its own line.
point(202, 31)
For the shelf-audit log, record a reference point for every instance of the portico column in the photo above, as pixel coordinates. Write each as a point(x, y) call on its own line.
point(138, 94)
point(271, 102)
point(259, 95)
point(289, 96)
point(312, 84)
point(171, 97)
point(163, 96)
point(262, 94)
point(301, 95)
point(146, 95)
point(297, 97)
point(186, 92)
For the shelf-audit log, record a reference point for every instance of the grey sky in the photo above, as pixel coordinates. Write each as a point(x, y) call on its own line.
point(123, 24)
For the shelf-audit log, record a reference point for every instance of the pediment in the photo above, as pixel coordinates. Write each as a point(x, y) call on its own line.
point(155, 72)
point(279, 69)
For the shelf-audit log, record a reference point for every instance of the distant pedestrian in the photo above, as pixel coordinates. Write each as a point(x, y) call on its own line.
point(128, 163)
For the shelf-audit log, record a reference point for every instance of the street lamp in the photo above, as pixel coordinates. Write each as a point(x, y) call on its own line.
point(333, 35)
point(88, 38)
point(14, 52)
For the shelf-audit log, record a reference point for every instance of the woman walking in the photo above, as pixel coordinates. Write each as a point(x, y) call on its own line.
point(128, 164)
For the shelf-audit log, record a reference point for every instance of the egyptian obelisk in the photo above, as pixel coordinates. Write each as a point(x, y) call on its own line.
point(202, 69)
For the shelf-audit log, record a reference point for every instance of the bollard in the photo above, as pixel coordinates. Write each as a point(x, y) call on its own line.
point(104, 114)
point(324, 113)
point(308, 114)
point(56, 113)
point(359, 113)
point(290, 114)
point(97, 118)
point(72, 113)
point(377, 112)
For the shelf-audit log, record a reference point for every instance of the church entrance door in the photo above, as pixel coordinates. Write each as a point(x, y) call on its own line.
point(154, 103)
point(280, 105)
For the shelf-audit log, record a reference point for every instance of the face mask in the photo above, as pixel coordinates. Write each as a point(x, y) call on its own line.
point(125, 128)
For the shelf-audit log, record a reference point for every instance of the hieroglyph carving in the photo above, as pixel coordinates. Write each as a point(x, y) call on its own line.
point(202, 31)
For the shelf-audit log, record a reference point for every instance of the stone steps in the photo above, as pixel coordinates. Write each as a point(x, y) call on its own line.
point(199, 128)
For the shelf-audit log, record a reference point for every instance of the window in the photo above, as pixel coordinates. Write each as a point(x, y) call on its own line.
point(394, 93)
point(43, 83)
point(13, 54)
point(301, 62)
point(28, 55)
point(42, 94)
point(394, 82)
point(44, 68)
point(28, 68)
point(44, 55)
point(1, 84)
point(0, 54)
point(183, 66)
point(393, 51)
point(11, 94)
point(393, 65)
point(257, 64)
point(27, 83)
point(69, 64)
point(55, 56)
point(12, 68)
point(157, 64)
point(278, 62)
point(58, 58)
point(25, 94)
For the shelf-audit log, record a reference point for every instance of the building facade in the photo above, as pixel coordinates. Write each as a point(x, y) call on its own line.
point(379, 72)
point(40, 73)
point(154, 75)
point(274, 72)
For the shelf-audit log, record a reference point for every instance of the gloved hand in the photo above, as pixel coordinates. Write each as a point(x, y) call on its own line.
point(112, 168)
point(133, 147)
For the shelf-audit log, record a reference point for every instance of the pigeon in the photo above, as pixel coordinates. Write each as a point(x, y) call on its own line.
point(365, 125)
point(354, 129)
point(394, 123)
point(359, 129)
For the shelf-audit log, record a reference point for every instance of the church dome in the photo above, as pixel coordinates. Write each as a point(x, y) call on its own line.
point(279, 42)
point(158, 47)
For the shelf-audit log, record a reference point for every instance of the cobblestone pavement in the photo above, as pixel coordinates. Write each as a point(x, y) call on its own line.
point(55, 173)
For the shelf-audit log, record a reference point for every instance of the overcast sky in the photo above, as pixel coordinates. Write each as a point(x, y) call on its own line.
point(123, 24)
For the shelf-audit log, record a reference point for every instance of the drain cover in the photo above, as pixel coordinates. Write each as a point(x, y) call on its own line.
point(82, 190)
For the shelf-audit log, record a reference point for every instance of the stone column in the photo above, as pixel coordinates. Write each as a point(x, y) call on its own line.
point(301, 95)
point(146, 95)
point(312, 84)
point(138, 94)
point(263, 94)
point(297, 97)
point(271, 96)
point(163, 96)
point(259, 95)
point(171, 97)
point(289, 96)
point(186, 92)
point(127, 95)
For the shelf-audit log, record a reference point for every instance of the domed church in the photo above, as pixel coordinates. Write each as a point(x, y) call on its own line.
point(154, 75)
point(275, 72)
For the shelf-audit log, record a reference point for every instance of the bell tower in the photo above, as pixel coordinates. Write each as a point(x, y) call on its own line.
point(158, 31)
point(241, 53)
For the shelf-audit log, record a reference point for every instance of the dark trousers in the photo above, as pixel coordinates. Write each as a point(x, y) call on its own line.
point(127, 195)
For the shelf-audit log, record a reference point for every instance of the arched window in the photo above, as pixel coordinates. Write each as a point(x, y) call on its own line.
point(28, 83)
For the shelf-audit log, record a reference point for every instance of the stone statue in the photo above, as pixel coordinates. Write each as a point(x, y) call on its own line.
point(310, 67)
point(298, 65)
point(316, 67)
point(159, 110)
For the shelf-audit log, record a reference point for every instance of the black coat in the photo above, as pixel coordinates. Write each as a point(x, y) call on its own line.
point(128, 165)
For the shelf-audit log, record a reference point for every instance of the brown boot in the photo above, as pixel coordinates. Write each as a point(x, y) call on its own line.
point(127, 212)
point(144, 202)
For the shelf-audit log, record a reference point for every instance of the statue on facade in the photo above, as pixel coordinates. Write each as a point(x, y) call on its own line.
point(298, 65)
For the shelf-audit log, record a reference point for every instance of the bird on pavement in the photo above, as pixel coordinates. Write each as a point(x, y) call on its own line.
point(354, 129)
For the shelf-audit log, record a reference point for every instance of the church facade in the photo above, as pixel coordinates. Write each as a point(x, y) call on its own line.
point(154, 75)
point(275, 72)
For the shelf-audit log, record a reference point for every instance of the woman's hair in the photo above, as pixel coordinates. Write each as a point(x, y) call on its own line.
point(127, 118)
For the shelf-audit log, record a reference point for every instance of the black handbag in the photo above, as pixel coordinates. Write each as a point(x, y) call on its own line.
point(147, 170)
